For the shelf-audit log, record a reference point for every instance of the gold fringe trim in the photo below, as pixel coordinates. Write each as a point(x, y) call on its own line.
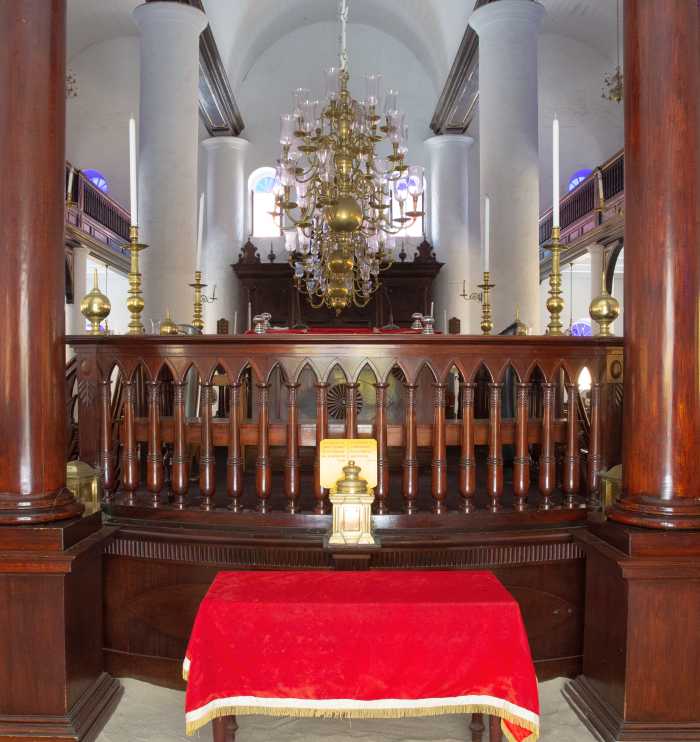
point(295, 712)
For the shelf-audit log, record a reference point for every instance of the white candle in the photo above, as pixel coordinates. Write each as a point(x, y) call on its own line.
point(487, 234)
point(250, 315)
point(432, 306)
point(133, 200)
point(69, 192)
point(200, 233)
point(235, 323)
point(555, 172)
point(444, 321)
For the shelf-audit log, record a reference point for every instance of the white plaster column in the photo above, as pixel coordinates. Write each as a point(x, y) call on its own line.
point(448, 185)
point(168, 151)
point(597, 253)
point(509, 156)
point(224, 229)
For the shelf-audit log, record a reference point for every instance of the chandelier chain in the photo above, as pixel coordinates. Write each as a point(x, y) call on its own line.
point(343, 12)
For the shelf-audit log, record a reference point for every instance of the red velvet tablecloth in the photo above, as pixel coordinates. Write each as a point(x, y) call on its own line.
point(360, 645)
point(342, 331)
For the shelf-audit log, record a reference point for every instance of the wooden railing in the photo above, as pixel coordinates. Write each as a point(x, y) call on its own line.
point(95, 213)
point(587, 201)
point(462, 423)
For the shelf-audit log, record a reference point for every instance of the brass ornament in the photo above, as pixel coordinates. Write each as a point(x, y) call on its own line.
point(168, 326)
point(604, 310)
point(197, 320)
point(352, 500)
point(486, 321)
point(555, 302)
point(95, 307)
point(135, 302)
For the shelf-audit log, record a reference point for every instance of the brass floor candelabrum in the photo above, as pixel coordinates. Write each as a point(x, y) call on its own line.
point(555, 303)
point(135, 303)
point(197, 320)
point(486, 321)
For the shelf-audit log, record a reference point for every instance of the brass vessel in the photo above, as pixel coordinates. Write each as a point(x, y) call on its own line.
point(95, 307)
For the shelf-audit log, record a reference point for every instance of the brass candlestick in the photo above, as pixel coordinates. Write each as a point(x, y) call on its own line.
point(135, 303)
point(486, 321)
point(555, 304)
point(197, 320)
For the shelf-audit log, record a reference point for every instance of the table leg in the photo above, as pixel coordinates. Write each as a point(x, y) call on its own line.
point(495, 734)
point(476, 727)
point(224, 729)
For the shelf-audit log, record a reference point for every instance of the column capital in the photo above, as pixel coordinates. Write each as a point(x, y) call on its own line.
point(595, 248)
point(158, 13)
point(494, 16)
point(445, 139)
point(237, 143)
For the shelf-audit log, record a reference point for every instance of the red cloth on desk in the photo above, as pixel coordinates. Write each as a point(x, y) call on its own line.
point(361, 644)
point(342, 331)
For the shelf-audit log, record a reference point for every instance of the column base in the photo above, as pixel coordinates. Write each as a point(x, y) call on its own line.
point(43, 508)
point(603, 721)
point(653, 512)
point(641, 662)
point(82, 723)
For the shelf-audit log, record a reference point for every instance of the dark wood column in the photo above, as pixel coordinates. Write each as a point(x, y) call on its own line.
point(32, 354)
point(662, 265)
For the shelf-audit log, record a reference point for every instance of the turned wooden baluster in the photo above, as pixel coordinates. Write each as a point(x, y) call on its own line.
point(494, 462)
point(224, 729)
point(234, 462)
point(495, 732)
point(154, 457)
point(547, 481)
point(476, 727)
point(130, 459)
point(410, 462)
point(106, 453)
point(207, 462)
point(594, 455)
point(351, 410)
point(467, 460)
point(263, 469)
point(291, 464)
point(321, 502)
point(521, 461)
point(181, 462)
point(381, 493)
point(439, 469)
point(572, 463)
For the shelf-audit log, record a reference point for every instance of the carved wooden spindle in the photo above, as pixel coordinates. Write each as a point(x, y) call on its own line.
point(234, 461)
point(224, 729)
point(207, 462)
point(263, 468)
point(351, 410)
point(547, 481)
point(181, 462)
point(521, 461)
point(292, 465)
point(467, 460)
point(494, 462)
point(154, 457)
point(410, 461)
point(476, 727)
point(594, 449)
point(106, 452)
point(320, 498)
point(130, 459)
point(439, 469)
point(495, 732)
point(572, 463)
point(381, 493)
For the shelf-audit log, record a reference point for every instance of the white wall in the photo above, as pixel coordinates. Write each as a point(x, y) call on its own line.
point(592, 128)
point(97, 134)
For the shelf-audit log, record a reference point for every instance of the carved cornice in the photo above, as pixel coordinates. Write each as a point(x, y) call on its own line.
point(217, 106)
point(459, 99)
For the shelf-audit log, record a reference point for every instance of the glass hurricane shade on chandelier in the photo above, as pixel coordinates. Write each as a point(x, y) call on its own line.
point(333, 190)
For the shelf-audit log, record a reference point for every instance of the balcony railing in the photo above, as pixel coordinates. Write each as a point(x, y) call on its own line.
point(590, 203)
point(96, 214)
point(226, 429)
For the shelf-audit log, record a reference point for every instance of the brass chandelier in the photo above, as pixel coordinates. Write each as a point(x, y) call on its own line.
point(334, 190)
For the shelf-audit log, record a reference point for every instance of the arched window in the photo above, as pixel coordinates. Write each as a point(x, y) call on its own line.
point(262, 203)
point(581, 328)
point(414, 229)
point(97, 179)
point(578, 177)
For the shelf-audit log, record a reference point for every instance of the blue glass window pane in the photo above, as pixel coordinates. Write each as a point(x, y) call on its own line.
point(97, 179)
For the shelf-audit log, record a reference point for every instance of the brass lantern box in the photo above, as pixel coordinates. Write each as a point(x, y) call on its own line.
point(84, 482)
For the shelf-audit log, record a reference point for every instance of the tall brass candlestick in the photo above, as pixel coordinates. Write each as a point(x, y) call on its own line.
point(135, 301)
point(197, 320)
point(555, 304)
point(486, 322)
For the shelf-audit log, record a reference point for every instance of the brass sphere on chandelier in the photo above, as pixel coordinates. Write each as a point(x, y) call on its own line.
point(345, 215)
